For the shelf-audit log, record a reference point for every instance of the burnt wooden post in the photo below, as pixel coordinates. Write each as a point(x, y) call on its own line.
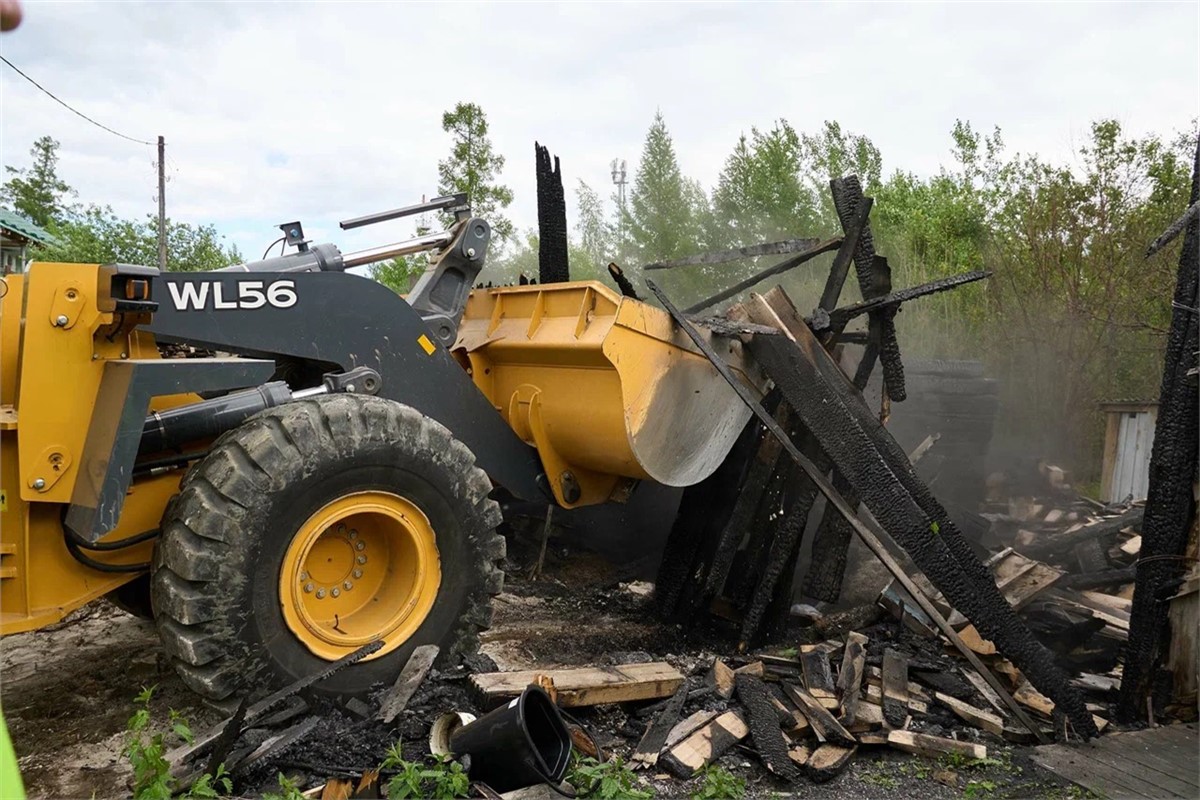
point(552, 219)
point(1170, 504)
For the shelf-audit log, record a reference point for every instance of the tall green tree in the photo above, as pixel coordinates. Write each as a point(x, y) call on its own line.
point(760, 193)
point(36, 192)
point(661, 215)
point(474, 167)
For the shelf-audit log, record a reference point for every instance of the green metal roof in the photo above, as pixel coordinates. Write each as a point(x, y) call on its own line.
point(14, 222)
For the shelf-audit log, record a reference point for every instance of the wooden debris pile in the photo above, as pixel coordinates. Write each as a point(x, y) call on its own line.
point(802, 714)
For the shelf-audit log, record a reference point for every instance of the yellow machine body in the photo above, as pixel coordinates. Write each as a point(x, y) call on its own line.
point(606, 388)
point(50, 373)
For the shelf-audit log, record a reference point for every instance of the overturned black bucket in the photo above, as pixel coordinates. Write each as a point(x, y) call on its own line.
point(521, 743)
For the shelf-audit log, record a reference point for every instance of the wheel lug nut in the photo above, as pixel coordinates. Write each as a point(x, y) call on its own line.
point(303, 576)
point(353, 533)
point(336, 591)
point(341, 528)
point(358, 573)
point(360, 545)
point(362, 559)
point(308, 587)
point(347, 586)
point(320, 594)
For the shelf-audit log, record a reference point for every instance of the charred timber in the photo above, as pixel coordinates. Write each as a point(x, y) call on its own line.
point(724, 256)
point(1170, 503)
point(552, 219)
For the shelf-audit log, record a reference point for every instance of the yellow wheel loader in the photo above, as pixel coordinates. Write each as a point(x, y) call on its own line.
point(283, 461)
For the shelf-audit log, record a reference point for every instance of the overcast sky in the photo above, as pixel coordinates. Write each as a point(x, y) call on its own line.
point(324, 111)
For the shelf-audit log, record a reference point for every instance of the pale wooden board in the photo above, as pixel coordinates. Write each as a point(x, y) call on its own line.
point(873, 693)
point(984, 689)
point(409, 680)
point(587, 686)
point(925, 745)
point(721, 676)
point(984, 720)
point(689, 724)
point(823, 723)
point(708, 742)
point(828, 761)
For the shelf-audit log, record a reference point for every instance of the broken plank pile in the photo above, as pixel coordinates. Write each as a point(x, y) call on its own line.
point(801, 715)
point(1084, 629)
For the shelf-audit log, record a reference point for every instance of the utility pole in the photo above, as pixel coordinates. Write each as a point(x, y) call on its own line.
point(162, 205)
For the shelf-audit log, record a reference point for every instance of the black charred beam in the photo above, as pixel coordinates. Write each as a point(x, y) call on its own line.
point(837, 319)
point(758, 277)
point(724, 256)
point(1170, 504)
point(552, 219)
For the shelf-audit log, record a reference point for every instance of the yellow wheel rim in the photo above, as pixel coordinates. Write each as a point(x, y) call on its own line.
point(363, 567)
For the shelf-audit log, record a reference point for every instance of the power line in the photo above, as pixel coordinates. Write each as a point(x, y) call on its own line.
point(69, 108)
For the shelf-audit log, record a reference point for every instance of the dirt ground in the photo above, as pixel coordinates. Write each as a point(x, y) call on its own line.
point(69, 691)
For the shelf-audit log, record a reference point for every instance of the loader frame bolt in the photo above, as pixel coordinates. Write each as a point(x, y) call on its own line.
point(61, 321)
point(39, 484)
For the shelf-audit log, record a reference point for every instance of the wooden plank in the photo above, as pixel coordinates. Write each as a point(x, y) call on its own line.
point(790, 719)
point(1132, 546)
point(818, 676)
point(1097, 683)
point(1031, 697)
point(1115, 605)
point(823, 723)
point(924, 745)
point(983, 688)
point(587, 686)
point(721, 676)
point(895, 688)
point(655, 737)
point(689, 724)
point(754, 668)
point(828, 761)
point(706, 744)
point(977, 643)
point(854, 658)
point(873, 692)
point(867, 717)
point(407, 683)
point(915, 690)
point(975, 716)
point(800, 754)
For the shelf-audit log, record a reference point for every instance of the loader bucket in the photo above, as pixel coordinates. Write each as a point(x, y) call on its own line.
point(607, 388)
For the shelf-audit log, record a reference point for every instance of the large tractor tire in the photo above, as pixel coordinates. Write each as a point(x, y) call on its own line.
point(315, 528)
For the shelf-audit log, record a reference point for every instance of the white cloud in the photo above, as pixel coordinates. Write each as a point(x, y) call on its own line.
point(322, 111)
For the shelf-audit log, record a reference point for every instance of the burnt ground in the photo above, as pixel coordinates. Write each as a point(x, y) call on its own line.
point(69, 691)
